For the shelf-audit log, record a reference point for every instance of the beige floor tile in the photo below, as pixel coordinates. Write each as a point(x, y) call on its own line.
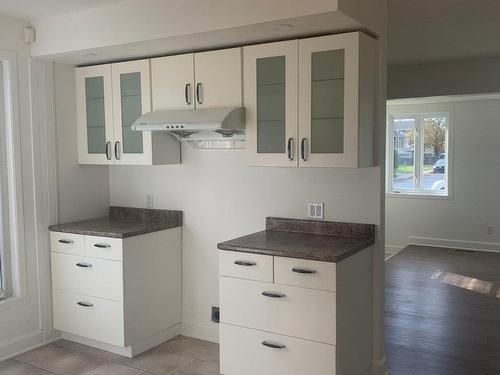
point(159, 362)
point(12, 367)
point(190, 347)
point(75, 364)
point(44, 355)
point(198, 368)
point(114, 369)
point(108, 356)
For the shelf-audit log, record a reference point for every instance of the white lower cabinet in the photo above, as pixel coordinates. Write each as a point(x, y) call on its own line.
point(86, 316)
point(250, 352)
point(121, 295)
point(307, 317)
point(298, 312)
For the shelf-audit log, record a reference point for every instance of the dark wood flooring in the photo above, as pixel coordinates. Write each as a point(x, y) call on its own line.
point(443, 312)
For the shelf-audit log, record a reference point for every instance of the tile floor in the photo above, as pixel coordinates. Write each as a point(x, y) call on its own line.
point(179, 356)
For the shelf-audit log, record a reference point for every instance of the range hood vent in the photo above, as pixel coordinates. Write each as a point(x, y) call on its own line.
point(201, 128)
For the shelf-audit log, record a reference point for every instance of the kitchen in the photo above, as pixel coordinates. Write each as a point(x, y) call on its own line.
point(228, 192)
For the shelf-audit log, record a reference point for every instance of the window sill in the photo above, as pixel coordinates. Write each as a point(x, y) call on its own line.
point(446, 197)
point(13, 302)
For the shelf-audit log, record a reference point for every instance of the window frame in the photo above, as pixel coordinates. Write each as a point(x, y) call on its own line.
point(419, 111)
point(11, 170)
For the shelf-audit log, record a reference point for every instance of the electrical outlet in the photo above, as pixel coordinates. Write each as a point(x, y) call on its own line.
point(490, 229)
point(316, 210)
point(148, 200)
point(215, 314)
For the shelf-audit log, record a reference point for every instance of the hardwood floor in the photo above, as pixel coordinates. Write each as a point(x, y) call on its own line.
point(443, 312)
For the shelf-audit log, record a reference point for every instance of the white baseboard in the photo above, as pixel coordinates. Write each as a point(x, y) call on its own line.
point(208, 332)
point(129, 351)
point(24, 343)
point(455, 244)
point(391, 249)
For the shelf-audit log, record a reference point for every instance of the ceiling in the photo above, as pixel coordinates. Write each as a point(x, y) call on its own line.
point(422, 31)
point(31, 9)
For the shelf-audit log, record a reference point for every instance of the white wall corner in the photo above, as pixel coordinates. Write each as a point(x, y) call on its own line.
point(202, 331)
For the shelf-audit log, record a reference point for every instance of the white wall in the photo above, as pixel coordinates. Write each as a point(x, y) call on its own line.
point(462, 221)
point(446, 78)
point(223, 198)
point(83, 190)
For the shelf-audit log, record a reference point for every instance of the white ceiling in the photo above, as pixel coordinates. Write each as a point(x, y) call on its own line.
point(32, 9)
point(422, 31)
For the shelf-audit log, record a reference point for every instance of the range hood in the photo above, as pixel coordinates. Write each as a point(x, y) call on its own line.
point(201, 128)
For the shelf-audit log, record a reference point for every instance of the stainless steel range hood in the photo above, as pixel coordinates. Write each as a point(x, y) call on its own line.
point(202, 128)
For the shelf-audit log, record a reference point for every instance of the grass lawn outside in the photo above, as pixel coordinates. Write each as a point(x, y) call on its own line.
point(411, 168)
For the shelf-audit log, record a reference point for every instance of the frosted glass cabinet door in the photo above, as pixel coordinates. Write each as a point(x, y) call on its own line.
point(94, 114)
point(270, 99)
point(328, 101)
point(132, 98)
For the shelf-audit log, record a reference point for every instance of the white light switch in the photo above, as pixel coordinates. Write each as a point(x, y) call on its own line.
point(316, 210)
point(148, 200)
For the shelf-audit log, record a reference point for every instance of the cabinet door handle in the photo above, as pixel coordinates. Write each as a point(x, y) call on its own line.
point(85, 304)
point(84, 265)
point(245, 263)
point(117, 150)
point(303, 270)
point(65, 241)
point(108, 150)
point(187, 91)
point(102, 245)
point(199, 93)
point(289, 148)
point(273, 294)
point(303, 149)
point(273, 345)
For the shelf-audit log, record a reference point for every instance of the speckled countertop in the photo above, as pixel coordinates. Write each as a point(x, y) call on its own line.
point(305, 239)
point(124, 222)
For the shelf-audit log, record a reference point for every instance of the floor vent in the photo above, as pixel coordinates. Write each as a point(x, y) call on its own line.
point(466, 251)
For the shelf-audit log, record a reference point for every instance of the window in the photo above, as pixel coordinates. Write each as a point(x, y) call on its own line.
point(418, 153)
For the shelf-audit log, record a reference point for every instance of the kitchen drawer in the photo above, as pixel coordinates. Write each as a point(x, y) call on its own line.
point(101, 321)
point(90, 276)
point(305, 273)
point(104, 247)
point(300, 312)
point(243, 353)
point(246, 266)
point(67, 243)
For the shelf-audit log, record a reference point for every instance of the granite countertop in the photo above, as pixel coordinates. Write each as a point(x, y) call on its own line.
point(124, 222)
point(305, 239)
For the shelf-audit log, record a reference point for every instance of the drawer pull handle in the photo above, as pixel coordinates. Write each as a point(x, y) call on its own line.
point(273, 294)
point(65, 241)
point(273, 345)
point(304, 271)
point(85, 304)
point(245, 263)
point(102, 245)
point(84, 265)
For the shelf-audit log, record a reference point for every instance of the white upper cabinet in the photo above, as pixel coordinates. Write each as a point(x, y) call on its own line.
point(131, 99)
point(218, 76)
point(334, 100)
point(337, 101)
point(270, 99)
point(94, 103)
point(109, 99)
point(200, 80)
point(172, 82)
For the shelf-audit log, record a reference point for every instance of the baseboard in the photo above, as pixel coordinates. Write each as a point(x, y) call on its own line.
point(129, 351)
point(208, 332)
point(455, 244)
point(24, 343)
point(391, 249)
